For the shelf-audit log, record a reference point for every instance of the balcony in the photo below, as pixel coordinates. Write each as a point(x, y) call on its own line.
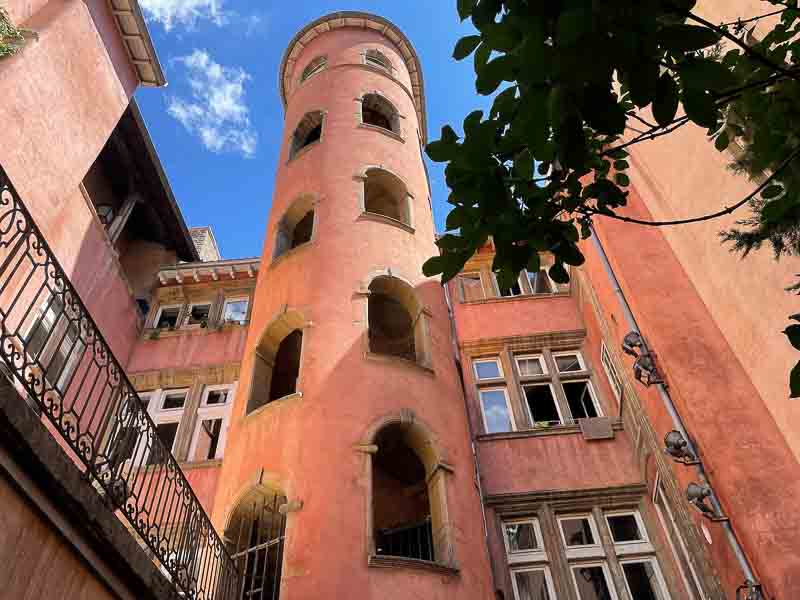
point(62, 367)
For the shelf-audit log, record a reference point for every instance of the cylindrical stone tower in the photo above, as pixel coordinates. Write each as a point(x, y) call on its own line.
point(350, 415)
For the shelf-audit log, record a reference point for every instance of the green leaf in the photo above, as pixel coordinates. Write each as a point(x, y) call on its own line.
point(441, 151)
point(505, 104)
point(558, 273)
point(456, 218)
point(465, 8)
point(700, 108)
point(472, 121)
point(794, 382)
point(493, 74)
point(722, 142)
point(622, 179)
point(793, 333)
point(686, 38)
point(772, 191)
point(500, 36)
point(481, 57)
point(642, 81)
point(665, 106)
point(450, 242)
point(602, 111)
point(433, 266)
point(706, 74)
point(571, 26)
point(621, 165)
point(466, 46)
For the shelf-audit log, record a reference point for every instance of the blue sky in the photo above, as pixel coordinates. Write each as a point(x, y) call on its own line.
point(217, 126)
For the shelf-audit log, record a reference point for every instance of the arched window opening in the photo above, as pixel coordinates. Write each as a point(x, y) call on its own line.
point(400, 501)
point(397, 325)
point(376, 58)
point(276, 361)
point(379, 112)
point(287, 366)
point(296, 227)
point(385, 194)
point(314, 67)
point(308, 131)
point(255, 538)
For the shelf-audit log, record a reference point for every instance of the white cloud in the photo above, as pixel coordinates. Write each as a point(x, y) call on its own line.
point(216, 112)
point(184, 12)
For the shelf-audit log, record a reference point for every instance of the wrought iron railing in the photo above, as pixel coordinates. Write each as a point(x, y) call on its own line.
point(55, 351)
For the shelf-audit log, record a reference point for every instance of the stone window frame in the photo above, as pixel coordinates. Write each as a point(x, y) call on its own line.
point(235, 298)
point(187, 314)
point(284, 228)
point(514, 383)
point(408, 199)
point(321, 64)
point(162, 307)
point(583, 551)
point(396, 117)
point(548, 506)
point(296, 152)
point(481, 264)
point(423, 340)
point(207, 412)
point(460, 284)
point(372, 57)
point(438, 471)
point(525, 556)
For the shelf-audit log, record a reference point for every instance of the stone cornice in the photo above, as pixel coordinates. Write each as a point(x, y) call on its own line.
point(525, 343)
point(568, 500)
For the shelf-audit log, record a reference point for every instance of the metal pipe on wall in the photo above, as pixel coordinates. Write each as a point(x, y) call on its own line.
point(677, 421)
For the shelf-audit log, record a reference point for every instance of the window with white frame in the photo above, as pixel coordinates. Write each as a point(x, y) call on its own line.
point(167, 316)
point(611, 372)
point(579, 535)
point(197, 314)
point(211, 426)
point(497, 415)
point(235, 310)
point(532, 583)
point(541, 403)
point(540, 282)
point(643, 579)
point(471, 287)
point(531, 366)
point(592, 581)
point(523, 540)
point(488, 369)
point(510, 292)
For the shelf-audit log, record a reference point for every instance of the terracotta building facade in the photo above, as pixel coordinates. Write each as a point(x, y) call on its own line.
point(323, 420)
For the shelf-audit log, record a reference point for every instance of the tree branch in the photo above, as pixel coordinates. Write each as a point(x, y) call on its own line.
point(741, 21)
point(725, 211)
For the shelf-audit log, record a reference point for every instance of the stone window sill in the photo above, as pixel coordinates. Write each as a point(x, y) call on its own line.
point(570, 429)
point(291, 252)
point(401, 562)
point(274, 403)
point(154, 333)
point(516, 298)
point(383, 130)
point(370, 216)
point(398, 360)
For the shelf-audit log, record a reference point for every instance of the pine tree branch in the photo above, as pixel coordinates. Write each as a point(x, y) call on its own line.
point(725, 211)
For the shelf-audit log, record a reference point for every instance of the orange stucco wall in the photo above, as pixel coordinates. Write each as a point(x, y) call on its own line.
point(305, 446)
point(188, 350)
point(745, 453)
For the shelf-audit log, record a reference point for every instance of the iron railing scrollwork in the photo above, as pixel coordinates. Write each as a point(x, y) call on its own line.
point(55, 351)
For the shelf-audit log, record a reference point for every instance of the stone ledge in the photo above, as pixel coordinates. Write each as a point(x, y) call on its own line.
point(401, 562)
point(44, 461)
point(370, 216)
point(397, 360)
point(571, 429)
point(383, 130)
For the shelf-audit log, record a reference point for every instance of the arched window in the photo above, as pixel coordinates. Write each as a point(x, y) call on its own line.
point(308, 131)
point(397, 323)
point(255, 537)
point(408, 509)
point(376, 58)
point(276, 364)
point(296, 227)
point(314, 67)
point(379, 112)
point(386, 195)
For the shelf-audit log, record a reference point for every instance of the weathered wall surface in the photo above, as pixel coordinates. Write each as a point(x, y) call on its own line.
point(682, 175)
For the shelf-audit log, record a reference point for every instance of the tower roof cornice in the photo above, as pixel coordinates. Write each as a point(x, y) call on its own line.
point(362, 20)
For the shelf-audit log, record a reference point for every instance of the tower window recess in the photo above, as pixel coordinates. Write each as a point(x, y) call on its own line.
point(308, 131)
point(255, 537)
point(276, 364)
point(296, 227)
point(379, 112)
point(386, 195)
point(401, 499)
point(376, 58)
point(397, 325)
point(314, 67)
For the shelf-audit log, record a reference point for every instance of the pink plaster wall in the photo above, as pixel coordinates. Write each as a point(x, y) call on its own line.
point(190, 349)
point(305, 446)
point(746, 455)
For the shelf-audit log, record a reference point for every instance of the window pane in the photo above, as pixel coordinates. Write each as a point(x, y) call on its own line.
point(175, 400)
point(567, 363)
point(531, 585)
point(488, 369)
point(199, 314)
point(591, 583)
point(540, 282)
point(530, 366)
point(166, 433)
point(235, 311)
point(471, 287)
point(217, 397)
point(577, 532)
point(641, 579)
point(579, 399)
point(208, 439)
point(514, 290)
point(542, 405)
point(624, 528)
point(495, 411)
point(521, 537)
point(168, 318)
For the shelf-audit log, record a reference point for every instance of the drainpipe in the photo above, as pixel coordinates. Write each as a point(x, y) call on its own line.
point(472, 444)
point(677, 422)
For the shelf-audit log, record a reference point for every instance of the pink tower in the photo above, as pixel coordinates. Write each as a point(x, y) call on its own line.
point(348, 470)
